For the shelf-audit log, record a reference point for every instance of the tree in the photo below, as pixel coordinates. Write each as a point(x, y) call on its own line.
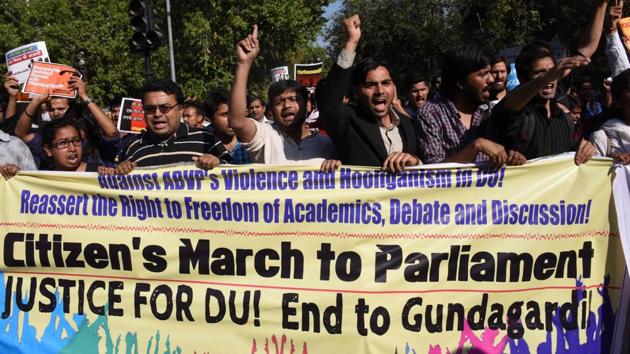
point(96, 33)
point(412, 36)
point(75, 35)
point(209, 30)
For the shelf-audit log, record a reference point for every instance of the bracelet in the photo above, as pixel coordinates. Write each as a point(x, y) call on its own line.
point(27, 114)
point(88, 101)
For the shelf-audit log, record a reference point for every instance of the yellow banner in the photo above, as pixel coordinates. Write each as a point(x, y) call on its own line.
point(290, 260)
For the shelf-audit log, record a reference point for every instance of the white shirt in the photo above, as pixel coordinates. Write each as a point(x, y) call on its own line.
point(271, 145)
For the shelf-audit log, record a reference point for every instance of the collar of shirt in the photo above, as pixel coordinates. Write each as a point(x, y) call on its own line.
point(278, 128)
point(394, 117)
point(4, 136)
point(539, 108)
point(482, 111)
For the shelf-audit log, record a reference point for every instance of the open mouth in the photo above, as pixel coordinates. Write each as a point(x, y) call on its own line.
point(288, 116)
point(159, 125)
point(380, 104)
point(73, 158)
point(548, 89)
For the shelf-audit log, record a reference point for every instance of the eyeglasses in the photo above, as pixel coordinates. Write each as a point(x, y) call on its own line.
point(65, 143)
point(164, 108)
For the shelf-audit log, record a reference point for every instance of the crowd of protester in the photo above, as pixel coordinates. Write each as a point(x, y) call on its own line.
point(355, 115)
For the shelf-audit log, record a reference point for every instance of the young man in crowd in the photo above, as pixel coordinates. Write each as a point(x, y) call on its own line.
point(217, 103)
point(257, 108)
point(167, 140)
point(500, 71)
point(193, 114)
point(370, 133)
point(529, 119)
point(286, 141)
point(453, 123)
point(417, 94)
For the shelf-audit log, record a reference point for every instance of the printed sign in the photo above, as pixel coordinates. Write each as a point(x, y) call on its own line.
point(308, 75)
point(280, 73)
point(50, 78)
point(19, 60)
point(131, 116)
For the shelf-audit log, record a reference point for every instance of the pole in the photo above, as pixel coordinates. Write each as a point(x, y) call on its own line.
point(147, 65)
point(170, 39)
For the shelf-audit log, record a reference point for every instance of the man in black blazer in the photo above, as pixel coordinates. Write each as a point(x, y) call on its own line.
point(372, 132)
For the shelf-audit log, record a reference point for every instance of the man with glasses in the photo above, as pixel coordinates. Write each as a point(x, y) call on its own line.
point(167, 140)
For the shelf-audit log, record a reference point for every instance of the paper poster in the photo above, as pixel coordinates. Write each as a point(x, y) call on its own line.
point(131, 116)
point(52, 79)
point(19, 59)
point(309, 74)
point(280, 73)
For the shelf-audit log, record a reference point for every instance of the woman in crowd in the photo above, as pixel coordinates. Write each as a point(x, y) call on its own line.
point(62, 143)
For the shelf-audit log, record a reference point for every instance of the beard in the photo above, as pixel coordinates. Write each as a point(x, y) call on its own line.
point(476, 97)
point(498, 87)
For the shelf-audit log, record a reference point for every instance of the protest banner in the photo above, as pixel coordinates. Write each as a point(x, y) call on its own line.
point(308, 75)
point(290, 260)
point(19, 62)
point(131, 116)
point(280, 73)
point(50, 78)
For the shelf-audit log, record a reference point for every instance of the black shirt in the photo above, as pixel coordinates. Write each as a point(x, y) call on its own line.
point(531, 132)
point(552, 136)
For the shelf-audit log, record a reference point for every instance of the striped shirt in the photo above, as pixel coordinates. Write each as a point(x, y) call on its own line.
point(442, 133)
point(180, 147)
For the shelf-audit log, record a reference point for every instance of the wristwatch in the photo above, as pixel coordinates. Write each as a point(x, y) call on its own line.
point(88, 101)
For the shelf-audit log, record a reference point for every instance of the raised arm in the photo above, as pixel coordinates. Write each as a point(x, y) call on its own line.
point(23, 127)
point(590, 38)
point(106, 124)
point(615, 51)
point(13, 88)
point(330, 92)
point(246, 52)
point(516, 100)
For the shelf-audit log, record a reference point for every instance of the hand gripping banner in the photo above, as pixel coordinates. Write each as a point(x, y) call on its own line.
point(259, 259)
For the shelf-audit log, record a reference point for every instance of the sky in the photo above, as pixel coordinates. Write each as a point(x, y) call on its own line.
point(329, 12)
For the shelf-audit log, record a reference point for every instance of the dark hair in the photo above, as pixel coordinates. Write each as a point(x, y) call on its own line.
point(256, 98)
point(459, 63)
point(584, 81)
point(115, 102)
point(49, 129)
point(619, 84)
point(279, 87)
point(414, 79)
point(359, 73)
point(502, 59)
point(214, 100)
point(530, 54)
point(196, 105)
point(166, 86)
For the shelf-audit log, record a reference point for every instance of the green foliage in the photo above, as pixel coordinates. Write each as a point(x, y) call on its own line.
point(413, 35)
point(204, 32)
point(207, 32)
